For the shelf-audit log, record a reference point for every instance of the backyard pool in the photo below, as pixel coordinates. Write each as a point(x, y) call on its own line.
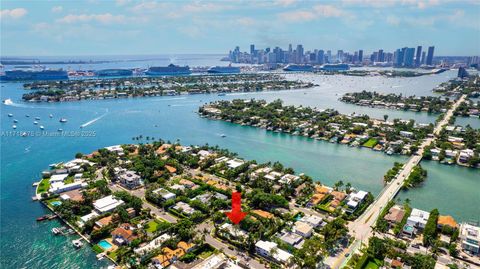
point(105, 244)
point(56, 203)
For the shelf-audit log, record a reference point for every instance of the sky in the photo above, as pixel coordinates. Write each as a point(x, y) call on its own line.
point(128, 27)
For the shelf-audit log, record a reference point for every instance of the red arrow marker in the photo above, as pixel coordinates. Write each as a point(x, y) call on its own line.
point(236, 215)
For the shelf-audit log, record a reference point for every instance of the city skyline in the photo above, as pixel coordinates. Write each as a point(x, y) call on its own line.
point(150, 27)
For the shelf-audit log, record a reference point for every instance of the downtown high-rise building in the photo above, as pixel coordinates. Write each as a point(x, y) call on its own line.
point(360, 56)
point(418, 56)
point(430, 55)
point(408, 57)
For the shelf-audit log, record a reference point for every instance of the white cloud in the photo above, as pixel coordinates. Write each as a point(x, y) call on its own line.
point(203, 7)
point(421, 4)
point(15, 13)
point(245, 21)
point(57, 9)
point(393, 20)
point(285, 3)
point(318, 11)
point(122, 2)
point(151, 7)
point(105, 18)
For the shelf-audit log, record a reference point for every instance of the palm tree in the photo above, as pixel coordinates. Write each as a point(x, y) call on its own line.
point(385, 117)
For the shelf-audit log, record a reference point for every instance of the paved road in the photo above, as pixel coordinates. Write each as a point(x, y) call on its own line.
point(306, 211)
point(362, 228)
point(209, 239)
point(241, 257)
point(158, 212)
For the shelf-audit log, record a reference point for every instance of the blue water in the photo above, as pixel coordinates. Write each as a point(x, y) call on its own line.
point(171, 118)
point(104, 244)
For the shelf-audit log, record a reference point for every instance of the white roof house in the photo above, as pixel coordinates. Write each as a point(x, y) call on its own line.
point(288, 178)
point(58, 178)
point(155, 243)
point(265, 248)
point(418, 218)
point(59, 187)
point(303, 229)
point(107, 204)
point(166, 195)
point(88, 217)
point(235, 163)
point(470, 237)
point(313, 220)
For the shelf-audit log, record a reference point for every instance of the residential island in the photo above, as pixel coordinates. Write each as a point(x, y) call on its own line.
point(61, 91)
point(163, 205)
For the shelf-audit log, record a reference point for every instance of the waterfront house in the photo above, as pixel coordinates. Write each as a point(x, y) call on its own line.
point(234, 163)
point(354, 199)
point(270, 250)
point(84, 219)
point(59, 187)
point(57, 178)
point(465, 155)
point(395, 215)
point(470, 238)
point(116, 148)
point(418, 218)
point(104, 222)
point(446, 221)
point(107, 204)
point(288, 178)
point(123, 235)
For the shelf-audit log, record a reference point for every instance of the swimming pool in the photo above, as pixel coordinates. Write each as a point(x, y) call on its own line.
point(104, 244)
point(408, 228)
point(56, 203)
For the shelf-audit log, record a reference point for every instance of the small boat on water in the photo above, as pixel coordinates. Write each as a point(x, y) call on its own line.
point(7, 101)
point(223, 135)
point(10, 114)
point(51, 116)
point(221, 94)
point(14, 126)
point(24, 134)
point(41, 127)
point(15, 121)
point(28, 116)
point(35, 122)
point(46, 217)
point(60, 130)
point(63, 120)
point(56, 231)
point(37, 118)
point(77, 243)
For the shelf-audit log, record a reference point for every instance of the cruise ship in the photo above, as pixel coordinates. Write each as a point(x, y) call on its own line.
point(224, 70)
point(47, 74)
point(298, 68)
point(113, 72)
point(335, 67)
point(169, 70)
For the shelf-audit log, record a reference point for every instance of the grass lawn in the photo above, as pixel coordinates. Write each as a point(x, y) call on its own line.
point(373, 264)
point(44, 185)
point(370, 143)
point(152, 226)
point(113, 255)
point(69, 180)
point(205, 254)
point(97, 249)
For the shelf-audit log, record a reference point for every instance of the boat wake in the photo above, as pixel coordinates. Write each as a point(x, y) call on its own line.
point(93, 121)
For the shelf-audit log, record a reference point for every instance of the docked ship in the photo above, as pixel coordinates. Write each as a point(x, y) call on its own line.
point(335, 67)
point(298, 68)
point(47, 74)
point(170, 70)
point(113, 72)
point(224, 70)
